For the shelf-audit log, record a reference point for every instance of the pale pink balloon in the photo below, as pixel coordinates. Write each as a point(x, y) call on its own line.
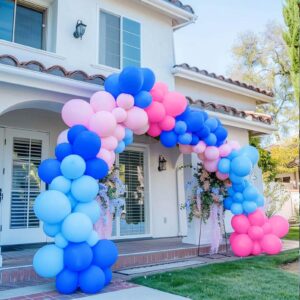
point(240, 223)
point(280, 226)
point(102, 101)
point(200, 147)
point(142, 130)
point(120, 114)
point(167, 124)
point(77, 112)
point(211, 165)
point(256, 249)
point(156, 112)
point(174, 103)
point(201, 156)
point(235, 145)
point(225, 150)
point(136, 118)
point(242, 245)
point(257, 218)
point(112, 159)
point(119, 133)
point(103, 123)
point(222, 176)
point(267, 228)
point(104, 154)
point(185, 149)
point(154, 130)
point(255, 233)
point(125, 101)
point(271, 244)
point(232, 237)
point(63, 137)
point(109, 143)
point(158, 91)
point(211, 153)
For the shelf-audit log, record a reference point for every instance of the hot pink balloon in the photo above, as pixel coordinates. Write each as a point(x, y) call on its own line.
point(222, 176)
point(102, 101)
point(125, 101)
point(280, 226)
point(235, 145)
point(167, 124)
point(211, 165)
point(232, 237)
point(267, 228)
point(200, 147)
point(136, 118)
point(77, 112)
point(120, 114)
point(255, 233)
point(154, 130)
point(256, 250)
point(225, 150)
point(211, 153)
point(185, 149)
point(103, 123)
point(174, 103)
point(240, 223)
point(158, 91)
point(119, 133)
point(257, 218)
point(271, 244)
point(242, 245)
point(63, 137)
point(156, 112)
point(109, 143)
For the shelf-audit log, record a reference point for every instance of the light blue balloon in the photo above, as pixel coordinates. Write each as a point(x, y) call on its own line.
point(260, 202)
point(72, 200)
point(230, 191)
point(60, 241)
point(251, 152)
point(224, 165)
point(73, 166)
point(51, 229)
point(235, 179)
point(52, 206)
point(60, 183)
point(77, 227)
point(85, 188)
point(241, 166)
point(236, 208)
point(249, 206)
point(128, 139)
point(238, 197)
point(91, 209)
point(93, 239)
point(48, 261)
point(250, 193)
point(121, 147)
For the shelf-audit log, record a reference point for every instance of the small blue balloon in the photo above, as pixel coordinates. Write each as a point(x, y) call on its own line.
point(227, 203)
point(91, 280)
point(212, 124)
point(128, 139)
point(168, 139)
point(235, 179)
point(185, 114)
point(236, 208)
point(63, 150)
point(121, 147)
point(251, 152)
point(108, 275)
point(131, 80)
point(73, 201)
point(105, 254)
point(260, 202)
point(73, 166)
point(221, 133)
point(61, 184)
point(51, 229)
point(238, 197)
point(87, 144)
point(230, 191)
point(85, 188)
point(143, 99)
point(66, 282)
point(241, 166)
point(111, 85)
point(96, 168)
point(195, 140)
point(91, 209)
point(233, 154)
point(224, 165)
point(93, 239)
point(250, 193)
point(60, 241)
point(180, 127)
point(149, 79)
point(210, 140)
point(185, 139)
point(74, 131)
point(49, 169)
point(249, 206)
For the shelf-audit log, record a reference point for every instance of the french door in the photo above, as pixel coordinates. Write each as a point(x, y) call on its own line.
point(22, 153)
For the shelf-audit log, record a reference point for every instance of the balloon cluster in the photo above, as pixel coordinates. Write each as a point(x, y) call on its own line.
point(255, 234)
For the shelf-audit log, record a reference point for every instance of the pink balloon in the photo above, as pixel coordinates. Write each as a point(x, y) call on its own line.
point(200, 147)
point(174, 103)
point(256, 249)
point(257, 218)
point(156, 112)
point(142, 130)
point(211, 153)
point(225, 150)
point(242, 245)
point(167, 124)
point(125, 101)
point(235, 145)
point(112, 159)
point(267, 228)
point(102, 101)
point(255, 233)
point(103, 123)
point(109, 143)
point(222, 176)
point(154, 130)
point(158, 91)
point(211, 165)
point(120, 114)
point(119, 133)
point(271, 244)
point(104, 154)
point(136, 118)
point(63, 137)
point(185, 149)
point(232, 237)
point(280, 226)
point(240, 223)
point(77, 112)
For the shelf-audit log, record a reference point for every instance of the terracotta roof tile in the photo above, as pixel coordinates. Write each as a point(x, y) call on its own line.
point(179, 4)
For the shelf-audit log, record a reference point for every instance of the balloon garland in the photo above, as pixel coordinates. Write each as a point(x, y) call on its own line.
point(133, 103)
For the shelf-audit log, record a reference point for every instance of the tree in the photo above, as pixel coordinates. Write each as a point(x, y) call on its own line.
point(291, 37)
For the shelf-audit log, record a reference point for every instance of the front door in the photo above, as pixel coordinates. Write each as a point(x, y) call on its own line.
point(22, 152)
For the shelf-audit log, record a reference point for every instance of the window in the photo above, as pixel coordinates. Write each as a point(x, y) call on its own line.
point(120, 41)
point(22, 23)
point(286, 179)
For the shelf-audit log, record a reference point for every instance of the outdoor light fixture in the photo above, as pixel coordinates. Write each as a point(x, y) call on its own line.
point(80, 30)
point(162, 163)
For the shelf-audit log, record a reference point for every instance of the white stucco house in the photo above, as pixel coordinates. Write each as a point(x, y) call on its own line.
point(42, 65)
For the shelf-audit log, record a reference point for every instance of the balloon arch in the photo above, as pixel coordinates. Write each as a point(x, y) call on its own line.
point(133, 103)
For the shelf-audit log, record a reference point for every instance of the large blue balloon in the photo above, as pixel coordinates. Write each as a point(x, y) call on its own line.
point(49, 169)
point(149, 79)
point(63, 150)
point(143, 99)
point(61, 184)
point(210, 140)
point(91, 209)
point(212, 124)
point(251, 152)
point(73, 166)
point(195, 121)
point(87, 145)
point(111, 85)
point(85, 188)
point(235, 179)
point(250, 193)
point(168, 138)
point(78, 256)
point(249, 206)
point(92, 280)
point(74, 131)
point(66, 281)
point(236, 208)
point(224, 165)
point(131, 80)
point(96, 168)
point(105, 254)
point(241, 166)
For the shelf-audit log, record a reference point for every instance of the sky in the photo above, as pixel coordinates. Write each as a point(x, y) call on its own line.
point(207, 43)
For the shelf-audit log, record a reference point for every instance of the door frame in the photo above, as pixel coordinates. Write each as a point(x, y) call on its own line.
point(1, 182)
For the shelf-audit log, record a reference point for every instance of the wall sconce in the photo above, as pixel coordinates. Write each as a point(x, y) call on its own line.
point(79, 30)
point(162, 163)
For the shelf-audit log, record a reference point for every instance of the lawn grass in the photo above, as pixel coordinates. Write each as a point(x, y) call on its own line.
point(293, 234)
point(257, 278)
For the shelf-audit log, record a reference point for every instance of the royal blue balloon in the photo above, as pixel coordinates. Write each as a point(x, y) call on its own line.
point(143, 99)
point(212, 124)
point(51, 229)
point(78, 256)
point(180, 127)
point(210, 140)
point(184, 115)
point(238, 197)
point(91, 280)
point(121, 147)
point(227, 203)
point(85, 188)
point(61, 184)
point(241, 166)
point(131, 80)
point(185, 139)
point(195, 140)
point(108, 275)
point(235, 179)
point(250, 193)
point(249, 207)
point(224, 165)
point(74, 131)
point(149, 79)
point(203, 133)
point(49, 169)
point(73, 166)
point(91, 209)
point(251, 152)
point(260, 202)
point(105, 254)
point(111, 85)
point(195, 121)
point(87, 145)
point(221, 133)
point(168, 138)
point(66, 282)
point(63, 150)
point(230, 191)
point(236, 208)
point(96, 168)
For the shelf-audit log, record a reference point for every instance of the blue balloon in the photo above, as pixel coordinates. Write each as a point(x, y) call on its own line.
point(227, 203)
point(185, 139)
point(241, 166)
point(143, 99)
point(74, 131)
point(221, 133)
point(235, 179)
point(121, 147)
point(131, 80)
point(105, 254)
point(61, 184)
point(93, 239)
point(85, 188)
point(233, 154)
point(73, 166)
point(66, 282)
point(128, 139)
point(236, 208)
point(91, 209)
point(260, 202)
point(96, 168)
point(195, 121)
point(224, 165)
point(48, 261)
point(77, 227)
point(63, 150)
point(111, 85)
point(149, 79)
point(78, 256)
point(195, 140)
point(184, 115)
point(73, 201)
point(87, 145)
point(238, 197)
point(52, 206)
point(168, 138)
point(249, 206)
point(60, 241)
point(212, 124)
point(230, 191)
point(180, 127)
point(210, 140)
point(92, 280)
point(250, 193)
point(251, 152)
point(51, 229)
point(49, 169)
point(108, 275)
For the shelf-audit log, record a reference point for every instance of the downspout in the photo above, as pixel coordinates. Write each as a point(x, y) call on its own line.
point(179, 233)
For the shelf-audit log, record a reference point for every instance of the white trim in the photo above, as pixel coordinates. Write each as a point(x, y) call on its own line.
point(197, 77)
point(105, 68)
